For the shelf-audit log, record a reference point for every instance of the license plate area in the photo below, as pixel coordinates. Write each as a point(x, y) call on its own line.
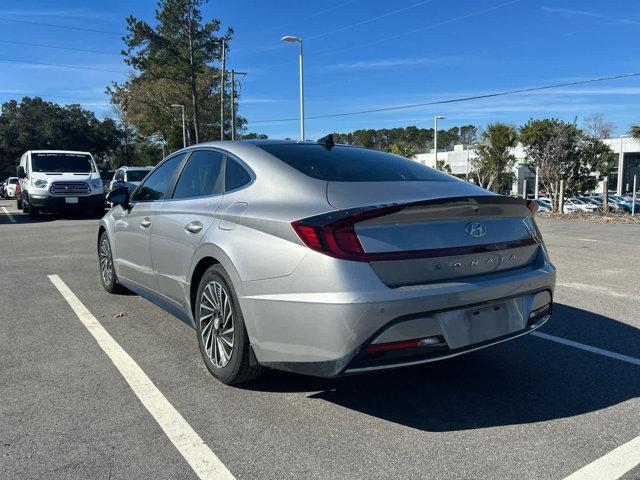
point(71, 199)
point(472, 325)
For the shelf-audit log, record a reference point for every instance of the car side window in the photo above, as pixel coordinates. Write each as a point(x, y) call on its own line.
point(201, 175)
point(155, 187)
point(235, 176)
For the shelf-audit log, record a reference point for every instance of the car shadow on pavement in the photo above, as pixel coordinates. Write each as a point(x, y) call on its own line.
point(523, 381)
point(23, 218)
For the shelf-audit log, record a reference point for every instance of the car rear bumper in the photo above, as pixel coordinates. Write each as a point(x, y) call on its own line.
point(48, 202)
point(327, 334)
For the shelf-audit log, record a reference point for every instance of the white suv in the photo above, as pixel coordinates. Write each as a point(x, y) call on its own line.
point(59, 180)
point(10, 187)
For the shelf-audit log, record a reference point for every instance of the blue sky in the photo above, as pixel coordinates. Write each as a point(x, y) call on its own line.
point(359, 55)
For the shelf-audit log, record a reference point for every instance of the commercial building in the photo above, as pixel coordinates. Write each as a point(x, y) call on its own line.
point(459, 160)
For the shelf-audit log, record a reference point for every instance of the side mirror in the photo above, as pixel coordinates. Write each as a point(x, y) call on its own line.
point(119, 196)
point(21, 172)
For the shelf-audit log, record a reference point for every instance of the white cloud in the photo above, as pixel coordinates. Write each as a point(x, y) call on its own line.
point(386, 63)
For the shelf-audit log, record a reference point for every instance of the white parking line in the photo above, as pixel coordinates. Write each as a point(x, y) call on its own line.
point(613, 465)
point(588, 348)
point(203, 461)
point(6, 212)
point(593, 288)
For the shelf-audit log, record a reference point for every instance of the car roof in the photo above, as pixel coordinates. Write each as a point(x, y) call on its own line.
point(58, 151)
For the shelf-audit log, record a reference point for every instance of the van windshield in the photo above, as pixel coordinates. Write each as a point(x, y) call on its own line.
point(61, 162)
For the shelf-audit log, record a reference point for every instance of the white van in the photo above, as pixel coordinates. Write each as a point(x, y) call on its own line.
point(58, 180)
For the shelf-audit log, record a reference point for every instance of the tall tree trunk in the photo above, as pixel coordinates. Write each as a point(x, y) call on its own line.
point(192, 82)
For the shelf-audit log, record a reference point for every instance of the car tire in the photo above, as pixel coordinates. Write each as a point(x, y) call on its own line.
point(34, 212)
point(227, 354)
point(108, 276)
point(19, 203)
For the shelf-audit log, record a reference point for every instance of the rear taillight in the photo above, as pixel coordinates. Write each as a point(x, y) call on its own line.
point(334, 234)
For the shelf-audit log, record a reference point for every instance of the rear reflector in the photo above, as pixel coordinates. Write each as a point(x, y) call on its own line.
point(418, 342)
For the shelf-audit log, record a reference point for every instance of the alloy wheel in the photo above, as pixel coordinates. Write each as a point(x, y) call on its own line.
point(106, 262)
point(216, 323)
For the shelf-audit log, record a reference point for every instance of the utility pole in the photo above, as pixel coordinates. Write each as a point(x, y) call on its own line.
point(233, 101)
point(224, 52)
point(435, 137)
point(635, 186)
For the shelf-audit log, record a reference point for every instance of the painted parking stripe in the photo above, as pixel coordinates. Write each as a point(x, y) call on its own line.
point(613, 465)
point(588, 348)
point(202, 460)
point(6, 212)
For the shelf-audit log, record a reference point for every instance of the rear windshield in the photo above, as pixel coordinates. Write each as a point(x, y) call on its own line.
point(61, 162)
point(136, 175)
point(352, 164)
point(13, 181)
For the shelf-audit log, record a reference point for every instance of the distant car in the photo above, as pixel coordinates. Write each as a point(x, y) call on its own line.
point(622, 202)
point(10, 187)
point(573, 204)
point(2, 189)
point(129, 177)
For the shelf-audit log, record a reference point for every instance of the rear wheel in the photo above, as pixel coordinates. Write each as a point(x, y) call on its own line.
point(19, 203)
point(222, 335)
point(107, 271)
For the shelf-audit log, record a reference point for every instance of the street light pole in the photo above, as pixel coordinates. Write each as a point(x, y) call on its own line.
point(184, 126)
point(222, 68)
point(298, 40)
point(435, 136)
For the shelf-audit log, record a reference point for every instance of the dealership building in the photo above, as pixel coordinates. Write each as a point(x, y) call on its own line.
point(459, 160)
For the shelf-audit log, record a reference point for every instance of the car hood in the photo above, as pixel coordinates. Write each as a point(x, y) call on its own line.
point(62, 177)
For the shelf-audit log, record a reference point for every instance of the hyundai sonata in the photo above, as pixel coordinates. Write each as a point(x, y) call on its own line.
point(325, 259)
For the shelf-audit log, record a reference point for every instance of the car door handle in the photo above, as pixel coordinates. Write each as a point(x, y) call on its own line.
point(145, 223)
point(193, 228)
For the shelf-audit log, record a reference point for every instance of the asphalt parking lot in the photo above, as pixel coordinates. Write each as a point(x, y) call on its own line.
point(539, 407)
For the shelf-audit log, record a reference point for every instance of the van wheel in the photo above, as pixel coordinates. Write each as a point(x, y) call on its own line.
point(222, 335)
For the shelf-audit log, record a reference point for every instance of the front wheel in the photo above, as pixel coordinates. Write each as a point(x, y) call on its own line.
point(108, 276)
point(34, 212)
point(19, 203)
point(222, 335)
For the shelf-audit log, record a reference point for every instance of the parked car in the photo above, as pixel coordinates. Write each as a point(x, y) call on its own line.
point(57, 180)
point(573, 204)
point(623, 204)
point(129, 177)
point(325, 259)
point(18, 196)
point(10, 187)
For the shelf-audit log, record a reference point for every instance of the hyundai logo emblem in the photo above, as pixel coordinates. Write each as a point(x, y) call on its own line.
point(475, 229)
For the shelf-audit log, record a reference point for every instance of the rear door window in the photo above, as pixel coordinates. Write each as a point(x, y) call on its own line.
point(352, 164)
point(201, 175)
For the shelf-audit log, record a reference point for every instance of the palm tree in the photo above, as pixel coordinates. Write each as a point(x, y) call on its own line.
point(402, 148)
point(634, 131)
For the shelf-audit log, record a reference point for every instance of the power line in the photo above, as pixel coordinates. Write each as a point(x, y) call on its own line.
point(43, 95)
point(67, 27)
point(409, 32)
point(59, 47)
point(457, 100)
point(73, 67)
point(369, 20)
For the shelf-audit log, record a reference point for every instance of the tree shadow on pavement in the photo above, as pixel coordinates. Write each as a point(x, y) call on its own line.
point(527, 380)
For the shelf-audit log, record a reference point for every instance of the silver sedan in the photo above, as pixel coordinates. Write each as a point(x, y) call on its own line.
point(325, 259)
